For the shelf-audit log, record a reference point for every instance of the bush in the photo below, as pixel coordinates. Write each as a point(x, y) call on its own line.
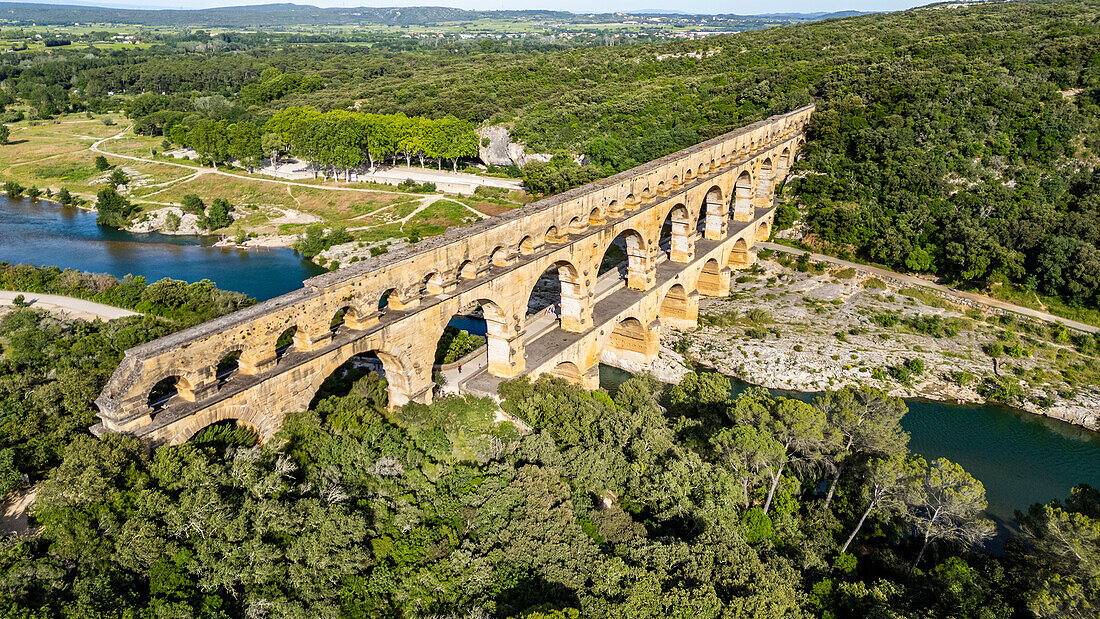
point(101, 163)
point(994, 349)
point(13, 189)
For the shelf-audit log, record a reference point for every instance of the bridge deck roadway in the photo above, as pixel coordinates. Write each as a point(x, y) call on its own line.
point(613, 300)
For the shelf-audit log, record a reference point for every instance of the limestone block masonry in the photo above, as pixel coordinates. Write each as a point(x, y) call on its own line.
point(396, 305)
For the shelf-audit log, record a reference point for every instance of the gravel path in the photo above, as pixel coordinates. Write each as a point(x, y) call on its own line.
point(79, 309)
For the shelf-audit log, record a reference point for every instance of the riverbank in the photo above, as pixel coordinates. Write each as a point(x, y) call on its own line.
point(829, 327)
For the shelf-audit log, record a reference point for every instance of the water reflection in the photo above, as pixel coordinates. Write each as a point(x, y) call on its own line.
point(46, 233)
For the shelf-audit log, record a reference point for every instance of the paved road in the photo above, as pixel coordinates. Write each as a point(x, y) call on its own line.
point(917, 281)
point(68, 306)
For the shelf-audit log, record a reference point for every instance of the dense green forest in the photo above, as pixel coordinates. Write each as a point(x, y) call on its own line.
point(51, 370)
point(675, 503)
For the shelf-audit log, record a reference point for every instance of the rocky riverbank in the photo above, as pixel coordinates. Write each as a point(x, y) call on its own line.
point(823, 328)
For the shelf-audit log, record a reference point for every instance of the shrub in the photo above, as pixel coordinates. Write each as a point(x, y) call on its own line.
point(101, 163)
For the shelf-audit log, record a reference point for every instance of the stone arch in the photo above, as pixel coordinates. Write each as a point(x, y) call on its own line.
point(712, 214)
point(255, 421)
point(633, 340)
point(499, 257)
point(765, 184)
point(399, 385)
point(527, 246)
point(631, 201)
point(576, 226)
point(340, 317)
point(229, 364)
point(661, 188)
point(595, 217)
point(505, 354)
point(634, 245)
point(552, 235)
point(742, 197)
point(286, 342)
point(647, 195)
point(713, 281)
point(431, 284)
point(739, 255)
point(569, 371)
point(677, 238)
point(388, 299)
point(763, 231)
point(784, 164)
point(574, 307)
point(689, 176)
point(467, 270)
point(675, 180)
point(678, 309)
point(166, 389)
point(614, 209)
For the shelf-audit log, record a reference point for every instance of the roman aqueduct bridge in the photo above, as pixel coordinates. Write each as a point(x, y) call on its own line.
point(718, 196)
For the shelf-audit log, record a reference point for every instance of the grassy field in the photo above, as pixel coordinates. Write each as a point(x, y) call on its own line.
point(57, 154)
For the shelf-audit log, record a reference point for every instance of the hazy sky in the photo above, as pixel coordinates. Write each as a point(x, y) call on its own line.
point(584, 6)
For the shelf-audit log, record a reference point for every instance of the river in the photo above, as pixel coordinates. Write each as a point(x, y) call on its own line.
point(47, 233)
point(1021, 458)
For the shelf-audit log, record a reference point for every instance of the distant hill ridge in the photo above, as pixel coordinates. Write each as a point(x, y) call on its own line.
point(287, 14)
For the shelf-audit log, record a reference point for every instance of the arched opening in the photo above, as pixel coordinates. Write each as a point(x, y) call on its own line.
point(739, 255)
point(647, 195)
point(363, 374)
point(675, 310)
point(576, 226)
point(552, 235)
point(384, 300)
point(225, 434)
point(784, 167)
point(467, 270)
point(765, 184)
point(285, 342)
point(631, 201)
point(558, 294)
point(631, 341)
point(227, 367)
point(676, 180)
point(689, 176)
point(567, 370)
point(742, 198)
point(614, 209)
point(675, 240)
point(710, 280)
point(661, 189)
point(595, 218)
point(339, 319)
point(432, 284)
point(164, 393)
point(712, 215)
point(499, 257)
point(527, 246)
point(763, 231)
point(627, 255)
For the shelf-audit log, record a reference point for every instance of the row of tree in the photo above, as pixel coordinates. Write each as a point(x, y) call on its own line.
point(338, 141)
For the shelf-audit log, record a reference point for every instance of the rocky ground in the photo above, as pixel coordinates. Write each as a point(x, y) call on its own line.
point(826, 328)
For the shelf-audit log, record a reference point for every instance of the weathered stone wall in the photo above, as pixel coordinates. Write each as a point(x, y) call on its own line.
point(728, 182)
